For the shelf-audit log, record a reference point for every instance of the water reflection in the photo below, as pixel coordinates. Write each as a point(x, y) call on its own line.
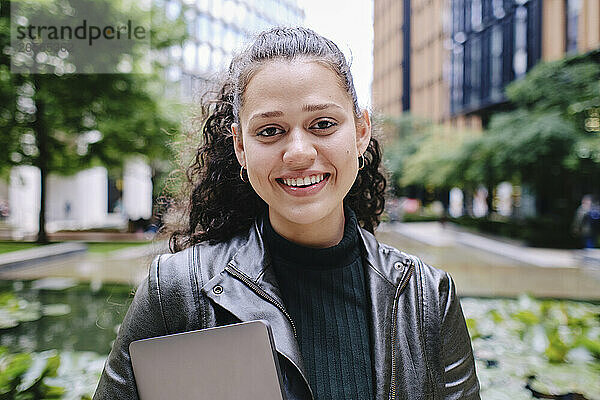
point(90, 325)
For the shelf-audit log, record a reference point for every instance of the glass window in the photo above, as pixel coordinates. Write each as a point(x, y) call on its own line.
point(189, 15)
point(520, 55)
point(190, 20)
point(203, 57)
point(459, 16)
point(217, 9)
point(217, 34)
point(228, 11)
point(229, 40)
point(476, 14)
point(173, 73)
point(189, 56)
point(475, 70)
point(175, 52)
point(203, 28)
point(203, 5)
point(457, 75)
point(217, 59)
point(496, 67)
point(172, 10)
point(498, 8)
point(573, 9)
point(240, 14)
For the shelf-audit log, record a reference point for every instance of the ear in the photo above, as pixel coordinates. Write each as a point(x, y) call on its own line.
point(363, 132)
point(238, 144)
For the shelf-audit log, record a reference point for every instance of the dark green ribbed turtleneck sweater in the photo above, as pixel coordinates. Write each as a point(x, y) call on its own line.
point(324, 292)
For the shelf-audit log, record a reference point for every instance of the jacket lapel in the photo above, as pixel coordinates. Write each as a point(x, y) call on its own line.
point(247, 288)
point(385, 270)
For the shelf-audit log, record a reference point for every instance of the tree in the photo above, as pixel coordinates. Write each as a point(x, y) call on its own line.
point(66, 122)
point(550, 141)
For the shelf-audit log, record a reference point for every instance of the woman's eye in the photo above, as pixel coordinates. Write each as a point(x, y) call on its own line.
point(269, 131)
point(323, 124)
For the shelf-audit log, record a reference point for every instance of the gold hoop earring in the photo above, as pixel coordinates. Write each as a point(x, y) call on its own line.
point(242, 173)
point(361, 162)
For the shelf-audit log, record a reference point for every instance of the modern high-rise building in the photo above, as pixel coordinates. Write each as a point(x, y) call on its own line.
point(215, 29)
point(450, 60)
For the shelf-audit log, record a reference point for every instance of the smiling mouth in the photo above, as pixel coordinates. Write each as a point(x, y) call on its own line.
point(303, 183)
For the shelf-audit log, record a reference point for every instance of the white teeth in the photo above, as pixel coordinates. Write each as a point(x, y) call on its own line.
point(309, 180)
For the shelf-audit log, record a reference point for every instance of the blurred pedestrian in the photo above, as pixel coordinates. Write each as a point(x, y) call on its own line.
point(586, 223)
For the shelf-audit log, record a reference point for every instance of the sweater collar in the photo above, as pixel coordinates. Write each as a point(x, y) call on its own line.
point(295, 255)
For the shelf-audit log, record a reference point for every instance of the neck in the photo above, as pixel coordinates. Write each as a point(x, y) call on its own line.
point(325, 232)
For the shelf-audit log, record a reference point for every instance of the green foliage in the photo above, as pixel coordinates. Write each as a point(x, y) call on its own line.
point(22, 375)
point(14, 310)
point(433, 164)
point(127, 110)
point(404, 137)
point(518, 146)
point(549, 142)
point(569, 87)
point(556, 341)
point(63, 123)
point(422, 153)
point(36, 376)
point(549, 232)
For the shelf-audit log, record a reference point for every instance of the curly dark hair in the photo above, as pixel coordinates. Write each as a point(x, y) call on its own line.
point(221, 205)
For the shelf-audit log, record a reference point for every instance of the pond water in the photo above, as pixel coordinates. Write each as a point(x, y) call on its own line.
point(88, 323)
point(514, 336)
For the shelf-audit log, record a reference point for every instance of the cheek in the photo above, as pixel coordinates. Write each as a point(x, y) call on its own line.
point(259, 162)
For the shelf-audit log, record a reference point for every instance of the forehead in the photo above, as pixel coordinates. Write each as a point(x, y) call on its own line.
point(293, 83)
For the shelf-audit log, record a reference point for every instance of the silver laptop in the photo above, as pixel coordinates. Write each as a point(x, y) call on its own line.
point(230, 362)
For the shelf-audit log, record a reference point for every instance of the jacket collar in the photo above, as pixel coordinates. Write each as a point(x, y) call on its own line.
point(248, 289)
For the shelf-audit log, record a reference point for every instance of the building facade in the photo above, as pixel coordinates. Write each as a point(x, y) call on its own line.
point(216, 28)
point(450, 60)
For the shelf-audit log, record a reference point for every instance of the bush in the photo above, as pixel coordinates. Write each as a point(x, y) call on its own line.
point(536, 232)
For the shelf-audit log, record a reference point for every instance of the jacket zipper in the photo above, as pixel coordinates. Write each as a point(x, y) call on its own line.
point(394, 314)
point(259, 291)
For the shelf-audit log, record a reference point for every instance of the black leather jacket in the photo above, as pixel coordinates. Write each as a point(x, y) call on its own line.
point(419, 340)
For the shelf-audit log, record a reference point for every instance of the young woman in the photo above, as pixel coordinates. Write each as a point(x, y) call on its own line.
point(286, 198)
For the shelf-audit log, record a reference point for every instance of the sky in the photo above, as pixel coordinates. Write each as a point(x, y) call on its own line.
point(348, 23)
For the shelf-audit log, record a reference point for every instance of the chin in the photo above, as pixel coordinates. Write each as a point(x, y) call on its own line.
point(304, 214)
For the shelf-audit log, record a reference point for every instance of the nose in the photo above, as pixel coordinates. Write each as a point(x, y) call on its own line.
point(300, 152)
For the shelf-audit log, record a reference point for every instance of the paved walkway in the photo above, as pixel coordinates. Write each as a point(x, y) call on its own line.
point(41, 254)
point(437, 235)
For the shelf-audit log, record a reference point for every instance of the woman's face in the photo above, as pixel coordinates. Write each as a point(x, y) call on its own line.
point(300, 144)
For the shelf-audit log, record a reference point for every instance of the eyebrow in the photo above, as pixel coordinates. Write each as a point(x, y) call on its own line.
point(268, 114)
point(318, 107)
point(305, 107)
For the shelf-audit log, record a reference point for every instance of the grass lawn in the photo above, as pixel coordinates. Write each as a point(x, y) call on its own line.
point(8, 246)
point(107, 247)
point(93, 247)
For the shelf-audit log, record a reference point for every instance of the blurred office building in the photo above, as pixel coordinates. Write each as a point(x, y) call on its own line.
point(90, 198)
point(449, 60)
point(216, 28)
point(80, 201)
